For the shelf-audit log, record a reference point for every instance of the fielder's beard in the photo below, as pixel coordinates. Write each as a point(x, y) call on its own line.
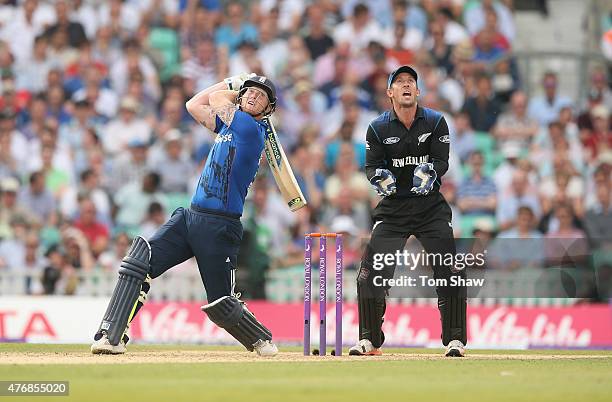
point(406, 104)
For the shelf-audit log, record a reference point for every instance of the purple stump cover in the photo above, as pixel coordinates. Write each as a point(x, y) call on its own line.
point(338, 295)
point(322, 294)
point(307, 290)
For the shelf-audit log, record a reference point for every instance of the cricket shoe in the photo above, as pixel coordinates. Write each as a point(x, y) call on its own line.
point(364, 348)
point(103, 346)
point(455, 348)
point(265, 348)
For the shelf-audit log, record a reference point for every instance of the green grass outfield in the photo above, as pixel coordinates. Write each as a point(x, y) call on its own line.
point(415, 375)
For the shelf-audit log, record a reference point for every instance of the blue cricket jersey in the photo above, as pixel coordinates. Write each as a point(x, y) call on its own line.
point(231, 166)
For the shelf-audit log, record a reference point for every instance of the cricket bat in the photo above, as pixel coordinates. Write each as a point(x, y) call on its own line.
point(283, 175)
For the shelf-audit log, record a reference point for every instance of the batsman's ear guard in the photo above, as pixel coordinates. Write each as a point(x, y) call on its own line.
point(132, 273)
point(453, 316)
point(232, 315)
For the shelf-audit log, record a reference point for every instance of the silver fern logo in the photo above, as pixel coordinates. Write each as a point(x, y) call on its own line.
point(423, 137)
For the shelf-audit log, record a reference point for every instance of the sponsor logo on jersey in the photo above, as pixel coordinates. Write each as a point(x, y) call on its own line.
point(391, 140)
point(224, 138)
point(423, 137)
point(445, 139)
point(410, 160)
point(367, 145)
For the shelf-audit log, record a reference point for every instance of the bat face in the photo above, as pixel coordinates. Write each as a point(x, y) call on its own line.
point(281, 170)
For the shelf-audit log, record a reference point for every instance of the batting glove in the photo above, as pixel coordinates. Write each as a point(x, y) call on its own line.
point(384, 182)
point(234, 83)
point(424, 178)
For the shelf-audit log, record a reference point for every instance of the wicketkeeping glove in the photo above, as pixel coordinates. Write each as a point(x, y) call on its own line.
point(424, 178)
point(234, 83)
point(384, 182)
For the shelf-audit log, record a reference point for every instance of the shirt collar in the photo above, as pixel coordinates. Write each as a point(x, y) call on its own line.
point(419, 113)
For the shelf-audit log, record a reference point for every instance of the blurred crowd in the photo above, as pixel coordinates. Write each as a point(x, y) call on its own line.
point(96, 145)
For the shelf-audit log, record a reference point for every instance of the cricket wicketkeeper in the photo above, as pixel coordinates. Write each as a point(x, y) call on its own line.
point(406, 155)
point(210, 229)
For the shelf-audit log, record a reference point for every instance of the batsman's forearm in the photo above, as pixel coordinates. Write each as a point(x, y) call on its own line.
point(202, 98)
point(221, 98)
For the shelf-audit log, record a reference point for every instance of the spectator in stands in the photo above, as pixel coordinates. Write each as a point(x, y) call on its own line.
point(134, 60)
point(346, 174)
point(463, 137)
point(518, 247)
point(565, 243)
point(599, 92)
point(33, 263)
point(132, 196)
point(599, 139)
point(564, 186)
point(309, 172)
point(76, 246)
point(73, 132)
point(11, 210)
point(347, 205)
point(14, 139)
point(305, 107)
point(122, 17)
point(476, 17)
point(358, 30)
point(317, 39)
point(521, 194)
point(454, 32)
point(52, 272)
point(85, 14)
point(398, 51)
point(348, 109)
point(245, 58)
point(105, 47)
point(174, 167)
point(482, 108)
point(505, 79)
point(488, 52)
point(440, 51)
point(270, 46)
point(73, 30)
point(403, 32)
point(236, 29)
point(31, 73)
point(33, 118)
point(515, 125)
point(89, 188)
point(110, 259)
point(156, 216)
point(128, 128)
point(8, 165)
point(545, 109)
point(22, 29)
point(477, 194)
point(132, 166)
point(96, 232)
point(492, 26)
point(38, 200)
point(12, 248)
point(202, 66)
point(554, 143)
point(103, 99)
point(598, 218)
point(344, 136)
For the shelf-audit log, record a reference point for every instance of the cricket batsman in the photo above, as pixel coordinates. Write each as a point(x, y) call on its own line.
point(210, 229)
point(407, 151)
